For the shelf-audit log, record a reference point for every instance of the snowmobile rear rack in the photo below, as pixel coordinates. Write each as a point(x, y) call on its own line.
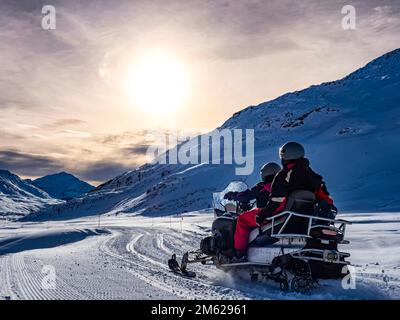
point(290, 214)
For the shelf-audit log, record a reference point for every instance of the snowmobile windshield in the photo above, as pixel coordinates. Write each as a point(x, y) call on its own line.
point(234, 186)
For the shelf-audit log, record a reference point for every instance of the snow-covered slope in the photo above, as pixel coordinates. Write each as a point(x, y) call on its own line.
point(349, 127)
point(63, 186)
point(19, 197)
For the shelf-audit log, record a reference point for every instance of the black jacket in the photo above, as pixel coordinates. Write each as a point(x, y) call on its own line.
point(296, 175)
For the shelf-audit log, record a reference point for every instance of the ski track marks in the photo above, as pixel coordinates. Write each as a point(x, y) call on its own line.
point(153, 270)
point(131, 263)
point(82, 272)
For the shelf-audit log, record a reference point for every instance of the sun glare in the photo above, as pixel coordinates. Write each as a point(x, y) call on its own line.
point(157, 82)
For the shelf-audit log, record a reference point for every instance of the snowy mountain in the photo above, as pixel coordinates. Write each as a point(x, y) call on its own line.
point(19, 197)
point(349, 127)
point(63, 186)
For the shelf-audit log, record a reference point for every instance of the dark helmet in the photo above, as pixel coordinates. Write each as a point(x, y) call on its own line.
point(291, 151)
point(269, 169)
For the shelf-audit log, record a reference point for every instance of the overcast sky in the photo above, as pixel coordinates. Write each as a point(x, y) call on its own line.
point(62, 104)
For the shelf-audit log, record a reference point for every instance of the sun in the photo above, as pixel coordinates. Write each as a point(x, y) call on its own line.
point(157, 82)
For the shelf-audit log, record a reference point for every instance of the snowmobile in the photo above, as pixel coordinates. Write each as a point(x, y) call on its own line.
point(295, 248)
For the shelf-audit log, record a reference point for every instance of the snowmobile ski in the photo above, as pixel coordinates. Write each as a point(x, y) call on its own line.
point(180, 269)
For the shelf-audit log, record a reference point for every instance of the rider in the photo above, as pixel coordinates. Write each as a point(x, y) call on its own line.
point(261, 191)
point(295, 175)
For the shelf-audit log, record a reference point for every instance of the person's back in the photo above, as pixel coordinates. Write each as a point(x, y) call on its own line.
point(295, 175)
point(299, 176)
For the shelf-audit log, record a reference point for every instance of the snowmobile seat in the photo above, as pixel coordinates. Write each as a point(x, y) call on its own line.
point(300, 201)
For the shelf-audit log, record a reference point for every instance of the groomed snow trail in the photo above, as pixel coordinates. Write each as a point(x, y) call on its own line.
point(129, 261)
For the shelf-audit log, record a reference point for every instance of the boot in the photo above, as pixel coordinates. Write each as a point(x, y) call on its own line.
point(239, 257)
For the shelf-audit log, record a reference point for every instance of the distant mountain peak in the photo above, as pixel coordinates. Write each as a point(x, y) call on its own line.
point(63, 173)
point(63, 185)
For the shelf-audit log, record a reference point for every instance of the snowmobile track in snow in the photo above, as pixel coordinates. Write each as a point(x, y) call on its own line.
point(24, 280)
point(124, 247)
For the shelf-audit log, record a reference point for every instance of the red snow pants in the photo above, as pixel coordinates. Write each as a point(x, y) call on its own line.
point(246, 222)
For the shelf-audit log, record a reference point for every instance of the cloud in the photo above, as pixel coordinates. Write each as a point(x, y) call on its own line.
point(5, 135)
point(75, 133)
point(95, 161)
point(130, 139)
point(65, 122)
point(33, 165)
point(102, 171)
point(28, 164)
point(115, 139)
point(138, 149)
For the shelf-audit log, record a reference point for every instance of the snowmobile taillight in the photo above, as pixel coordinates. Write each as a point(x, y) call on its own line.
point(331, 233)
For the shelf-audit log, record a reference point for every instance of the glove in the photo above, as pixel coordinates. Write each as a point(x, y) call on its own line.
point(230, 195)
point(260, 218)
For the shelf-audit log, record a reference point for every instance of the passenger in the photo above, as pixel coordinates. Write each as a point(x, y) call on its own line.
point(295, 175)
